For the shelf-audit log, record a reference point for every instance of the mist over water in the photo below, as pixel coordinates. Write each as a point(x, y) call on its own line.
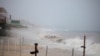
point(56, 39)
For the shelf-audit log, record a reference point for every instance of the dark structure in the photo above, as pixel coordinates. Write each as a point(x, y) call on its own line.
point(84, 46)
point(3, 18)
point(36, 50)
point(72, 51)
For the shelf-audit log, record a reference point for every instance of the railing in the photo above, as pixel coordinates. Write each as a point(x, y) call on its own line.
point(21, 47)
point(15, 47)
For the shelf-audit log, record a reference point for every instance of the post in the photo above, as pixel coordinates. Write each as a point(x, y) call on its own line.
point(3, 48)
point(36, 50)
point(21, 40)
point(10, 17)
point(46, 50)
point(84, 46)
point(72, 51)
point(20, 47)
point(8, 45)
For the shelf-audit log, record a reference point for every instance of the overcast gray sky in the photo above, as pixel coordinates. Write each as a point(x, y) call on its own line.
point(73, 15)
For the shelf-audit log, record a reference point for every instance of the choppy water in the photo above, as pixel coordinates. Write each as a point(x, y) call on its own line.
point(70, 39)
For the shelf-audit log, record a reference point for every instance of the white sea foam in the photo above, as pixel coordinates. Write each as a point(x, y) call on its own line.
point(46, 37)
